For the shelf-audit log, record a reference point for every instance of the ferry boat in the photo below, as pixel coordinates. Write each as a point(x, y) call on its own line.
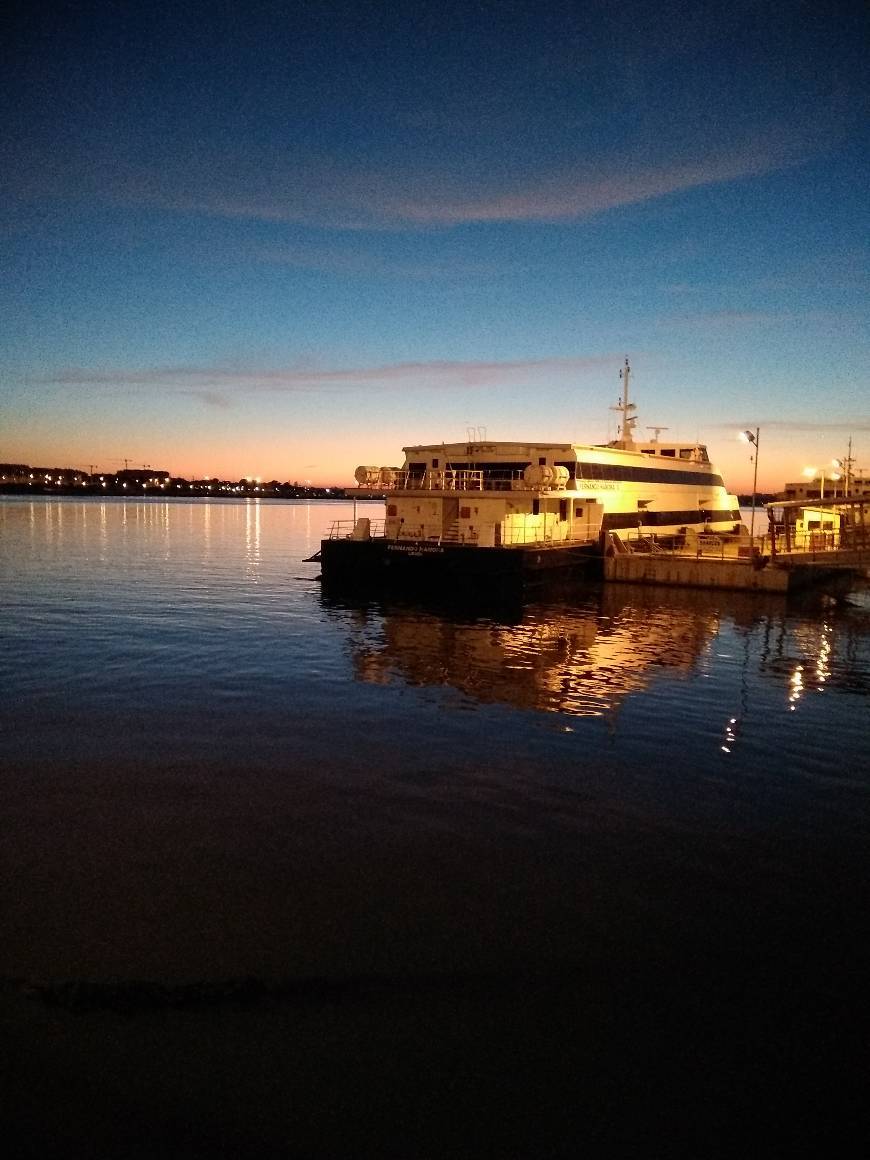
point(517, 511)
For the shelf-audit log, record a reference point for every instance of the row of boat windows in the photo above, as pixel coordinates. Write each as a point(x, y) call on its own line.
point(618, 472)
point(626, 474)
point(647, 519)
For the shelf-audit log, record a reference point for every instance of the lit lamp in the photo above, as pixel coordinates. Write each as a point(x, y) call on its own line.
point(753, 438)
point(824, 473)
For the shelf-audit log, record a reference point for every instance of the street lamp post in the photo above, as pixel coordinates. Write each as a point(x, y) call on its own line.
point(837, 465)
point(753, 438)
point(811, 473)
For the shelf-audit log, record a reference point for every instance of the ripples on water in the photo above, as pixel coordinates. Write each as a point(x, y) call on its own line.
point(213, 770)
point(197, 633)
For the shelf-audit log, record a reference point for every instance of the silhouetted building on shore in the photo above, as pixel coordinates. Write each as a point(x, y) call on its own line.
point(21, 478)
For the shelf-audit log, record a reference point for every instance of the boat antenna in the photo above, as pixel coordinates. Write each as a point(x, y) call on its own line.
point(656, 432)
point(626, 409)
point(848, 465)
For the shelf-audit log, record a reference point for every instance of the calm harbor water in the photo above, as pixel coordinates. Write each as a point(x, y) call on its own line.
point(548, 873)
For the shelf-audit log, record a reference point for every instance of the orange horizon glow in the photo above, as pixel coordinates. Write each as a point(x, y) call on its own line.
point(334, 466)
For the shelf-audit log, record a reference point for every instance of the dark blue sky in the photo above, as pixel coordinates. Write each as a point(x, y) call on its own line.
point(286, 238)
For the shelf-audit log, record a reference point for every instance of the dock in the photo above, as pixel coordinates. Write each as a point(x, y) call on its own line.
point(819, 546)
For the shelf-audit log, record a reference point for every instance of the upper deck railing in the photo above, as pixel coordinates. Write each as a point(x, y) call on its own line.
point(437, 479)
point(543, 535)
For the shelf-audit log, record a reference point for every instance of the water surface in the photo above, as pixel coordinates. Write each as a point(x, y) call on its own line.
point(616, 808)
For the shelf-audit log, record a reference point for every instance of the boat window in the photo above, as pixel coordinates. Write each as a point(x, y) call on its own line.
point(563, 509)
point(578, 511)
point(490, 467)
point(687, 452)
point(434, 462)
point(669, 451)
point(536, 507)
point(542, 460)
point(623, 473)
point(662, 519)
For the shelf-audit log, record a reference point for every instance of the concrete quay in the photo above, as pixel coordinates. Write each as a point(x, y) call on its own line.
point(670, 569)
point(758, 574)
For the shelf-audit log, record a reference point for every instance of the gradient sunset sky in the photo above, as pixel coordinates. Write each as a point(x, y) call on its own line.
point(282, 239)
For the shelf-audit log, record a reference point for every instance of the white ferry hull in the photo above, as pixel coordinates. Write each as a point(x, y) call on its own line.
point(485, 512)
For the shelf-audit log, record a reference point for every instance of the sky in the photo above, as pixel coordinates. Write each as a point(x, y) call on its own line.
point(284, 239)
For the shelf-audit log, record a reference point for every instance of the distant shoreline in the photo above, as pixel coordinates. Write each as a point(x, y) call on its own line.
point(90, 491)
point(198, 491)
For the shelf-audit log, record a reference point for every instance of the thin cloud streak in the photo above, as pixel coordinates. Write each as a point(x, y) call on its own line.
point(580, 194)
point(560, 197)
point(321, 193)
point(797, 426)
point(437, 374)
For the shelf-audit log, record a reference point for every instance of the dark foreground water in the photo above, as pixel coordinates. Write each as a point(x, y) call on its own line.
point(284, 875)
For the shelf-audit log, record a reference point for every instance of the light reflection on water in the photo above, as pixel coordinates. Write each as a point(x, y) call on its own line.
point(190, 601)
point(157, 559)
point(560, 658)
point(174, 664)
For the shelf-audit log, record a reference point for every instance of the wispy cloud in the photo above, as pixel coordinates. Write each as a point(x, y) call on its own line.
point(331, 193)
point(356, 201)
point(216, 385)
point(210, 398)
point(851, 424)
point(583, 192)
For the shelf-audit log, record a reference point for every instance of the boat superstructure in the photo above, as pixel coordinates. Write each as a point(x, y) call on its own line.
point(507, 498)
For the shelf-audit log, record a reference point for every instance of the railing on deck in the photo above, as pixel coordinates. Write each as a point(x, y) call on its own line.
point(346, 529)
point(441, 479)
point(816, 542)
point(708, 545)
point(514, 535)
point(544, 535)
point(811, 545)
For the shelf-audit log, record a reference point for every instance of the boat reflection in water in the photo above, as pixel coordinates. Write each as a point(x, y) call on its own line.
point(736, 678)
point(579, 658)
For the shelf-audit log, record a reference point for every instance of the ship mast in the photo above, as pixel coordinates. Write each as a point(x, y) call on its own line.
point(848, 464)
point(626, 409)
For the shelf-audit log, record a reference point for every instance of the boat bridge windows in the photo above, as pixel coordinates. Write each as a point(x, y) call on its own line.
point(504, 475)
point(626, 473)
point(693, 453)
point(616, 520)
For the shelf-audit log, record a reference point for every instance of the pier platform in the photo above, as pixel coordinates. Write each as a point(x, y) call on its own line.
point(829, 552)
point(685, 571)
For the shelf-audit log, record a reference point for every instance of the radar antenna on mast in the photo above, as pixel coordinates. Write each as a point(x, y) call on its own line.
point(656, 432)
point(626, 409)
